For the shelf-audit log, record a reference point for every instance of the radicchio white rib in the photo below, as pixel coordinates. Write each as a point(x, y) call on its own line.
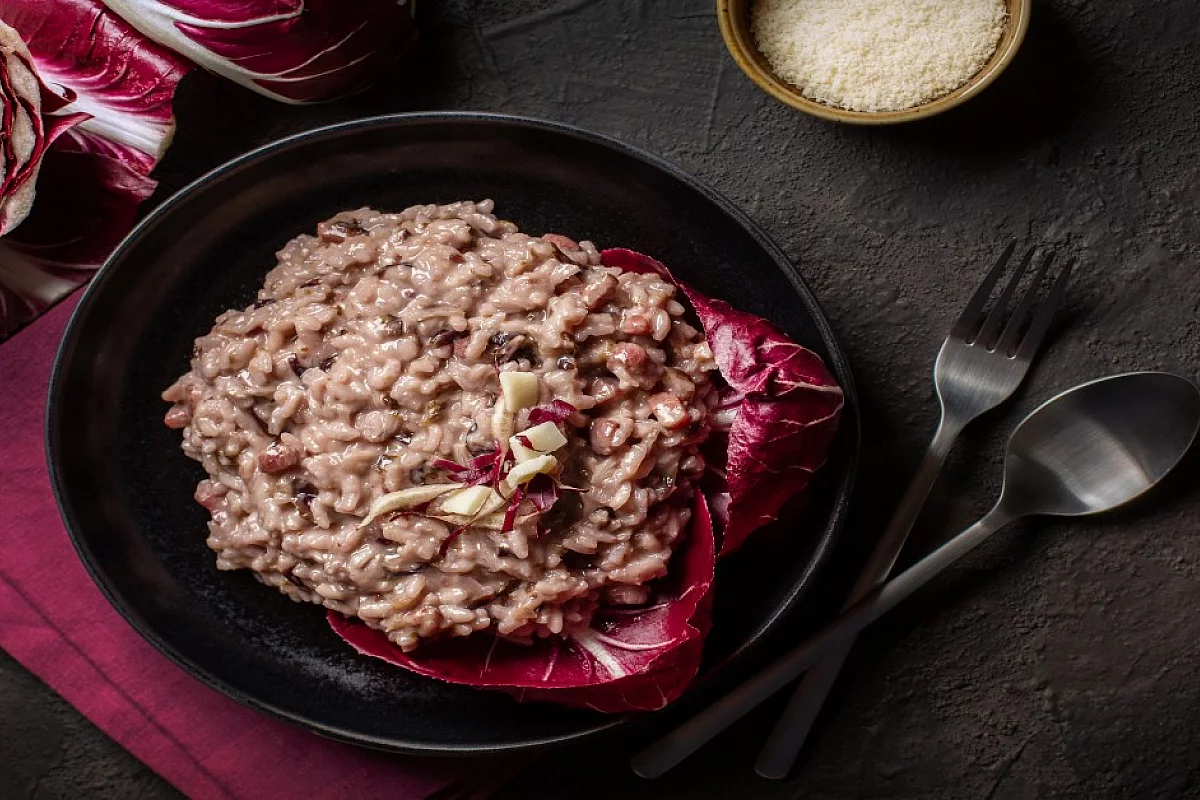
point(779, 407)
point(295, 51)
point(115, 88)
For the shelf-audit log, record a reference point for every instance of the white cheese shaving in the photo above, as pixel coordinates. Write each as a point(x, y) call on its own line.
point(877, 55)
point(405, 498)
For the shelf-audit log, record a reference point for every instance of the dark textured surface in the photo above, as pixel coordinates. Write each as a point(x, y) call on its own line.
point(1063, 659)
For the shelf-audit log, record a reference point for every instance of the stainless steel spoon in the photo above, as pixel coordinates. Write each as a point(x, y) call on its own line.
point(1087, 450)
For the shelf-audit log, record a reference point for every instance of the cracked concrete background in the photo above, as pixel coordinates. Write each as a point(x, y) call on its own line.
point(1061, 660)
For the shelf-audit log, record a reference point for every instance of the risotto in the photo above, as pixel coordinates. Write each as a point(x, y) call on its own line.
point(440, 425)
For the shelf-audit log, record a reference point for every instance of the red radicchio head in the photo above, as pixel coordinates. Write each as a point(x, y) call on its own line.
point(295, 51)
point(115, 89)
point(112, 63)
point(26, 127)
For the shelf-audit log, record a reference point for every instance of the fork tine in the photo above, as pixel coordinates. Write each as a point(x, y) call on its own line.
point(1012, 332)
point(968, 321)
point(1041, 320)
point(992, 326)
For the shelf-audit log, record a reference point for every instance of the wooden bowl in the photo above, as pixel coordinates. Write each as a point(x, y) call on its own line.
point(734, 18)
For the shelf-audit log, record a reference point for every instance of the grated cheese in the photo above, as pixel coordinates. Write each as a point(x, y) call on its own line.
point(877, 55)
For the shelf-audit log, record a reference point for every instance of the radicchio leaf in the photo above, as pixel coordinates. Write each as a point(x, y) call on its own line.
point(776, 415)
point(781, 402)
point(295, 51)
point(115, 88)
point(124, 83)
point(71, 230)
point(630, 659)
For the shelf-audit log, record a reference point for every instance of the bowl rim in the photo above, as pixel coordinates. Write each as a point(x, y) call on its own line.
point(849, 436)
point(739, 43)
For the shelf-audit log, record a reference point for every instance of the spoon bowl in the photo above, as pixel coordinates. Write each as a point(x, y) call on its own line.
point(1087, 450)
point(1099, 445)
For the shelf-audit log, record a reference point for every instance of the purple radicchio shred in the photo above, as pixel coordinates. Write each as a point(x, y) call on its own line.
point(510, 514)
point(542, 493)
point(554, 411)
point(449, 540)
point(486, 468)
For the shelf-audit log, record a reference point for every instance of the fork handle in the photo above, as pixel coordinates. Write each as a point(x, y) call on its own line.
point(779, 753)
point(686, 739)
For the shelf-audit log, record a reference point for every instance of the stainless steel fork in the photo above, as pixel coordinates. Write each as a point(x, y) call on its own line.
point(981, 363)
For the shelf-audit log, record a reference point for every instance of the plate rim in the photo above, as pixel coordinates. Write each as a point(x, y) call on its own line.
point(837, 361)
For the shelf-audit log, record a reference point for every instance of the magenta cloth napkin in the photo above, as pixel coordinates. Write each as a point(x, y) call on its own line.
point(54, 620)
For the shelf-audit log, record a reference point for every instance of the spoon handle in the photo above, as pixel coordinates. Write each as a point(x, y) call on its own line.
point(677, 745)
point(785, 741)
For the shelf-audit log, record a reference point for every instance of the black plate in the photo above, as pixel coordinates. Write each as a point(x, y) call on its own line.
point(125, 488)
